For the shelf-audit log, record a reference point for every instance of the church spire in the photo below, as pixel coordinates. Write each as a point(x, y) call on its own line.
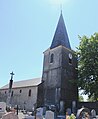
point(60, 37)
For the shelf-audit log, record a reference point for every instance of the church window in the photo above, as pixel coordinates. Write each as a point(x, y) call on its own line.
point(70, 61)
point(29, 93)
point(12, 93)
point(20, 91)
point(70, 58)
point(51, 58)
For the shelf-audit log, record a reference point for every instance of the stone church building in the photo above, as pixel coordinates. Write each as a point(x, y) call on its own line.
point(58, 85)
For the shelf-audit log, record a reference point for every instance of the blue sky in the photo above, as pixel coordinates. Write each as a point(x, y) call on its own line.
point(27, 28)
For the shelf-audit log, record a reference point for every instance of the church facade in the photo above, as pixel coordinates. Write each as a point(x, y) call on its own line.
point(60, 71)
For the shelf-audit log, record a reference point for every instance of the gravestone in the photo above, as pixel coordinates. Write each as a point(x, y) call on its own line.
point(39, 111)
point(61, 107)
point(74, 107)
point(39, 114)
point(49, 115)
point(93, 113)
point(39, 117)
point(2, 108)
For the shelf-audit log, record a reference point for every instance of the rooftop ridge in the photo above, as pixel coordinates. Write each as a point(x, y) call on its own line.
point(23, 83)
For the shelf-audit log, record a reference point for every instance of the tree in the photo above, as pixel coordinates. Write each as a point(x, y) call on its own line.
point(88, 65)
point(81, 99)
point(91, 99)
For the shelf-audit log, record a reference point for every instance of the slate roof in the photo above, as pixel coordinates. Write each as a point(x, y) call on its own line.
point(24, 83)
point(60, 36)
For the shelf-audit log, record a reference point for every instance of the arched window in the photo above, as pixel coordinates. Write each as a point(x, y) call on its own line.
point(52, 58)
point(20, 91)
point(70, 58)
point(70, 61)
point(12, 93)
point(29, 93)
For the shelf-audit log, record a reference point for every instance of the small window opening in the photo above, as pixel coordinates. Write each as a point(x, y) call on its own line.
point(20, 91)
point(70, 61)
point(51, 58)
point(29, 93)
point(12, 93)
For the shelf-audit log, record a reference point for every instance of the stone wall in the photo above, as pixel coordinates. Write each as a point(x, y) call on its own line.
point(22, 97)
point(60, 76)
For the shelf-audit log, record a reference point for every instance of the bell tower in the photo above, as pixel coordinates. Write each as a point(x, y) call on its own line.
point(59, 70)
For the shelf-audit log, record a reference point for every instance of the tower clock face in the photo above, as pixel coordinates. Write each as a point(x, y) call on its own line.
point(70, 55)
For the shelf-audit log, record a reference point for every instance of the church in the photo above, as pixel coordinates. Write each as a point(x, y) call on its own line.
point(58, 85)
